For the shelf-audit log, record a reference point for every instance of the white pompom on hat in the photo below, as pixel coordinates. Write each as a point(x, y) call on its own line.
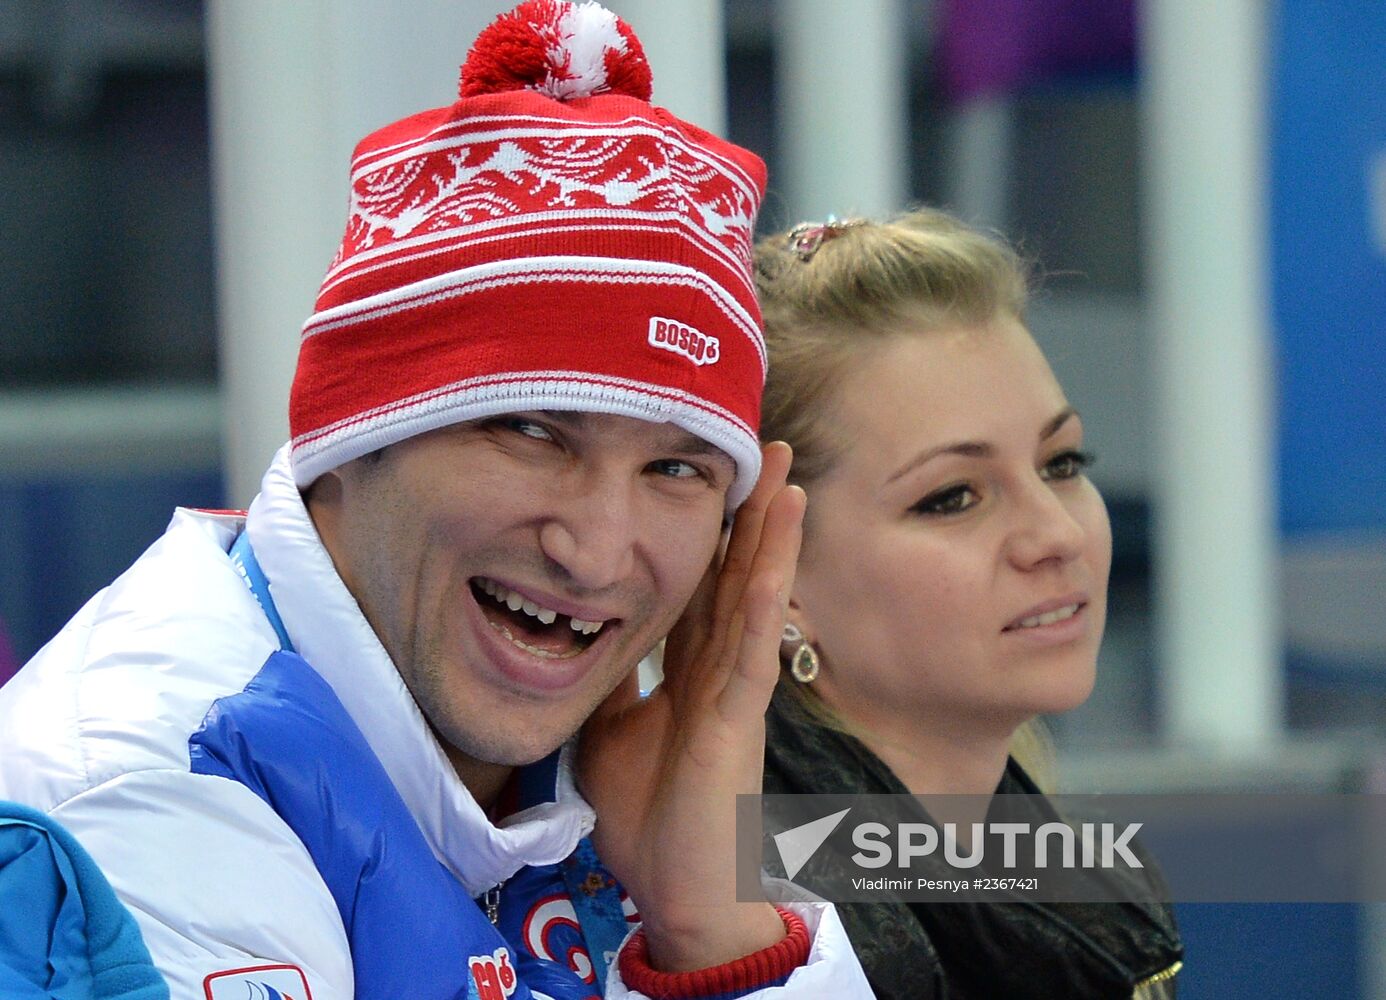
point(549, 241)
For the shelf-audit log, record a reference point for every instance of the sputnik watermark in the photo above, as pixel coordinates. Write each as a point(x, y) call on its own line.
point(1090, 845)
point(1123, 848)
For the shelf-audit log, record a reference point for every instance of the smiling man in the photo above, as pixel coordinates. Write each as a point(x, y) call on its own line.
point(326, 748)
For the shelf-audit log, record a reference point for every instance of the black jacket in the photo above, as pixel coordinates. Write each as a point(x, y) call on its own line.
point(967, 950)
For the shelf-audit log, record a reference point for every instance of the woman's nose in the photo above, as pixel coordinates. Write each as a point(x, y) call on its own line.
point(1045, 530)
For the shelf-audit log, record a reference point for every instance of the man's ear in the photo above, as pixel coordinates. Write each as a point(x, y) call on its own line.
point(323, 492)
point(323, 499)
point(329, 488)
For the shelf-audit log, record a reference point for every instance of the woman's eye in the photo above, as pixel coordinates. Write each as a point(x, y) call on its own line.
point(1067, 465)
point(951, 500)
point(675, 468)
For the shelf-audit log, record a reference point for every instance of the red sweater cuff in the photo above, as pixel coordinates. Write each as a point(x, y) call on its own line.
point(755, 971)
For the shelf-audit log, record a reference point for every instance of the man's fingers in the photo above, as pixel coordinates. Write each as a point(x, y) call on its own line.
point(754, 660)
point(747, 527)
point(703, 647)
point(689, 636)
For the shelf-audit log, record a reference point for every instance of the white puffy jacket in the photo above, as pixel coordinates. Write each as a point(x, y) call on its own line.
point(272, 839)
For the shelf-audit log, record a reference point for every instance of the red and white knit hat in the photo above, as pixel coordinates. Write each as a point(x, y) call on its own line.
point(550, 241)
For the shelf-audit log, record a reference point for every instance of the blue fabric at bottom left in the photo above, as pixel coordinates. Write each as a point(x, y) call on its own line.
point(63, 933)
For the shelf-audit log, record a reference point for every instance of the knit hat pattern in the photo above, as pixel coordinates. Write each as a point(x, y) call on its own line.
point(550, 241)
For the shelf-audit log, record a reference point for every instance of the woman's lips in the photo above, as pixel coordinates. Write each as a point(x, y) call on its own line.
point(1052, 622)
point(1048, 612)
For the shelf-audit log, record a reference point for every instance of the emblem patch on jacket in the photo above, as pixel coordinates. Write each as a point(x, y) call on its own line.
point(258, 982)
point(493, 974)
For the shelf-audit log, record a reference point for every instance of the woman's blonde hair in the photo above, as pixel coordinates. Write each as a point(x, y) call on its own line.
point(832, 293)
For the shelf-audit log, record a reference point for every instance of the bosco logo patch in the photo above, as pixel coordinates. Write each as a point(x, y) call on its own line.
point(493, 974)
point(671, 335)
point(258, 982)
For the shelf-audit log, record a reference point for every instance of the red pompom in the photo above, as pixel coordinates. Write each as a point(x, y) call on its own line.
point(558, 48)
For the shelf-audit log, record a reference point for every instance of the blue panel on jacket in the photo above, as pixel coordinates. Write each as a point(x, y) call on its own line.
point(411, 926)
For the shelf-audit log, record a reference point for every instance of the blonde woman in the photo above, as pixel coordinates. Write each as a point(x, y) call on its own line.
point(952, 583)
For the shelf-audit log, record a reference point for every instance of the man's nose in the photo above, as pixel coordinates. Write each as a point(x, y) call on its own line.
point(593, 529)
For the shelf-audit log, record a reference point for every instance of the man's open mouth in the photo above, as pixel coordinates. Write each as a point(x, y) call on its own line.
point(533, 627)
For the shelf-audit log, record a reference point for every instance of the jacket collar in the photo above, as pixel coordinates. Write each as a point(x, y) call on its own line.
point(327, 628)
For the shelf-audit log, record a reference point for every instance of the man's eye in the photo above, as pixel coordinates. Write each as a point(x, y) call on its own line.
point(1067, 465)
point(950, 500)
point(675, 468)
point(528, 428)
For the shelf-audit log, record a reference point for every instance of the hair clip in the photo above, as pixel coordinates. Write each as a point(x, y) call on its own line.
point(807, 237)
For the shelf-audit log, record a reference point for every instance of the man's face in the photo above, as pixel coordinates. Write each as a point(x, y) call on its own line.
point(518, 567)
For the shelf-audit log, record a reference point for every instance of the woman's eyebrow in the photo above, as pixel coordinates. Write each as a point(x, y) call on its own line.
point(1052, 428)
point(978, 449)
point(970, 449)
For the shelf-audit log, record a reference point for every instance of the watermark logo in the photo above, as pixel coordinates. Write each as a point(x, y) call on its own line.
point(1223, 848)
point(1085, 845)
point(796, 846)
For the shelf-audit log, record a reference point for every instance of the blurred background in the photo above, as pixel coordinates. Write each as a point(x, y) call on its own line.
point(1203, 185)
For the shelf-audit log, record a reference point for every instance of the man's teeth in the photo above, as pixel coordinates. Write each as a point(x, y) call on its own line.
point(517, 602)
point(1049, 617)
